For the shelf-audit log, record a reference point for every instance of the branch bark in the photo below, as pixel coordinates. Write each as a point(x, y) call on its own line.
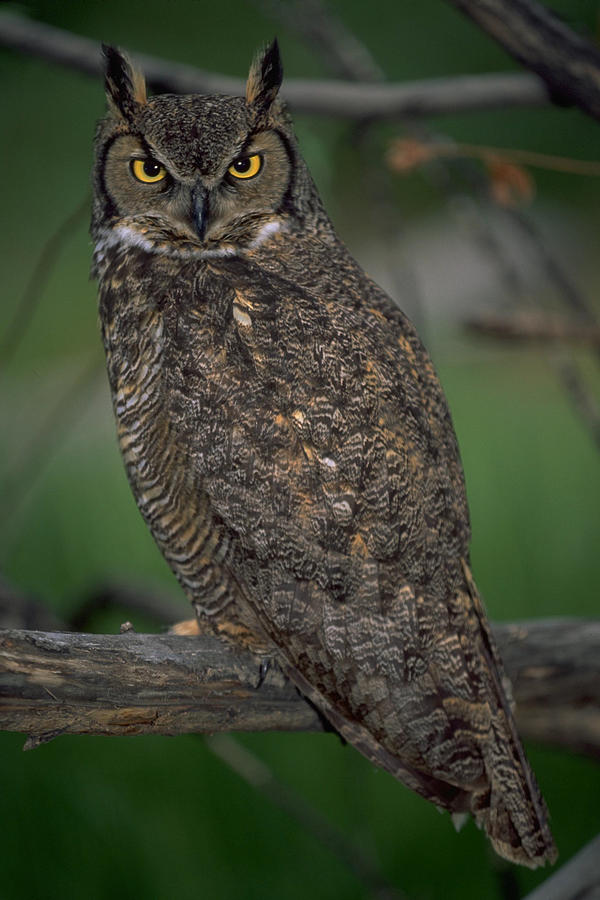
point(55, 683)
point(567, 62)
point(354, 100)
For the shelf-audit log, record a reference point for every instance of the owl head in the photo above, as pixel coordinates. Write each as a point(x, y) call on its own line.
point(210, 175)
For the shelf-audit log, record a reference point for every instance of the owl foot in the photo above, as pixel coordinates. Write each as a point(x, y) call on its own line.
point(266, 664)
point(240, 635)
point(188, 628)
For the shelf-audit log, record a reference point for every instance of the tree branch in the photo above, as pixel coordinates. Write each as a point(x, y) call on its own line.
point(139, 684)
point(325, 32)
point(535, 325)
point(578, 879)
point(331, 98)
point(55, 683)
point(352, 853)
point(14, 332)
point(568, 63)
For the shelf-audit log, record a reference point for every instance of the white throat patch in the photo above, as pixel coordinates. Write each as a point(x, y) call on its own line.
point(127, 236)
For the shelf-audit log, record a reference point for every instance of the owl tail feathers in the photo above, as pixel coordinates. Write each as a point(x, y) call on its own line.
point(510, 810)
point(516, 824)
point(513, 814)
point(506, 802)
point(509, 806)
point(519, 834)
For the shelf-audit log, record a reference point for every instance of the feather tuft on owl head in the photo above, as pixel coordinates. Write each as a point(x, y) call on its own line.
point(200, 174)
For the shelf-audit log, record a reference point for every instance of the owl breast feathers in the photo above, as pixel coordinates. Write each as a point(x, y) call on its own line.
point(290, 447)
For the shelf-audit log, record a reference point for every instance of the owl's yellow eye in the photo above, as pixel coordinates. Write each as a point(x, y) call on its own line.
point(246, 166)
point(148, 170)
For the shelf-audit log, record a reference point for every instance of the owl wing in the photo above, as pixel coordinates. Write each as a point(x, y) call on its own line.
point(322, 450)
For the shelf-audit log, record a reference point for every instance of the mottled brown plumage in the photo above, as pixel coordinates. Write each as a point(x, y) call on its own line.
point(290, 447)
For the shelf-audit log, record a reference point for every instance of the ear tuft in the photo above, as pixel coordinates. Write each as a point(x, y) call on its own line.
point(125, 85)
point(264, 80)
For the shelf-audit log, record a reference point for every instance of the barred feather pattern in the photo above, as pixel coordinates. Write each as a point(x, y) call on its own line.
point(290, 447)
point(311, 470)
point(176, 509)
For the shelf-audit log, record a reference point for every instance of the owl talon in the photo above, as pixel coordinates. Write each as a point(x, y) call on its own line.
point(264, 667)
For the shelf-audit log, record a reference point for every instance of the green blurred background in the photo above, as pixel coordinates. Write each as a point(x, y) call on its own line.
point(162, 818)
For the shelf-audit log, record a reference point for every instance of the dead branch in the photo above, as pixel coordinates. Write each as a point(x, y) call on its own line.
point(581, 399)
point(331, 98)
point(568, 62)
point(52, 683)
point(554, 331)
point(535, 325)
point(55, 683)
point(554, 666)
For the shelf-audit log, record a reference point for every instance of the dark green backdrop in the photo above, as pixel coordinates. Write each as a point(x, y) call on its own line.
point(163, 818)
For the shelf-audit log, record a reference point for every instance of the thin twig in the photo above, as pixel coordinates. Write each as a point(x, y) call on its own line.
point(323, 30)
point(582, 400)
point(331, 98)
point(535, 325)
point(26, 307)
point(52, 431)
point(571, 295)
point(257, 774)
point(65, 413)
point(404, 155)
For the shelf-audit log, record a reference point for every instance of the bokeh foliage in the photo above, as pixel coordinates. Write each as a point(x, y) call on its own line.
point(157, 817)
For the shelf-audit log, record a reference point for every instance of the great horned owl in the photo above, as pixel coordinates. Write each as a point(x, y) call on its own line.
point(290, 447)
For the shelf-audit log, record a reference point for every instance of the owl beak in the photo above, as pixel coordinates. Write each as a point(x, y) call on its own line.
point(200, 210)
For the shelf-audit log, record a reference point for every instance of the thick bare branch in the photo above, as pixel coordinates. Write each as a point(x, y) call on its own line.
point(331, 98)
point(568, 63)
point(554, 665)
point(139, 684)
point(54, 683)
